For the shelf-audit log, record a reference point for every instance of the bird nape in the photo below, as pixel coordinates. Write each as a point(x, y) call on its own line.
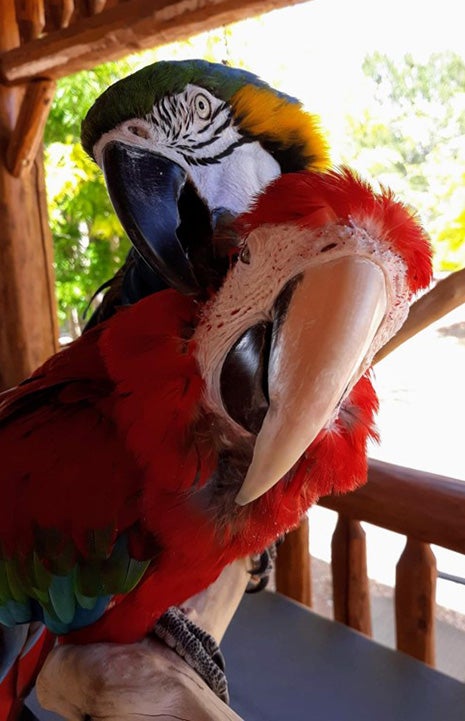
point(185, 432)
point(184, 145)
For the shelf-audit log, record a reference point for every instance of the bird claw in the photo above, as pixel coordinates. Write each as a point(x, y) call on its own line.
point(263, 566)
point(197, 647)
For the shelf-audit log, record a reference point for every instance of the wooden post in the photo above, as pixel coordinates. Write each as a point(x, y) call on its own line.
point(28, 326)
point(351, 592)
point(293, 565)
point(415, 601)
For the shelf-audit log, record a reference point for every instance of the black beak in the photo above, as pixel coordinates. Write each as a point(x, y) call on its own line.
point(145, 189)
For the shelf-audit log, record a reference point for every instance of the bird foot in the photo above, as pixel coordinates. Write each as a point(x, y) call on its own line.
point(197, 647)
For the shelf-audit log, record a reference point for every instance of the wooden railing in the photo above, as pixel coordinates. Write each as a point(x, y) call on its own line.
point(427, 509)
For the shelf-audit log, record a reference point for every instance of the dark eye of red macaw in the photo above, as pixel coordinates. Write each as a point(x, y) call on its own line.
point(244, 375)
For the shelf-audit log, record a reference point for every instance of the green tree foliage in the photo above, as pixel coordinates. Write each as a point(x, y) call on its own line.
point(89, 242)
point(412, 139)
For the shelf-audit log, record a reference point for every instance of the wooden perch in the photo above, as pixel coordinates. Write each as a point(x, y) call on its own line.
point(444, 297)
point(146, 680)
point(28, 132)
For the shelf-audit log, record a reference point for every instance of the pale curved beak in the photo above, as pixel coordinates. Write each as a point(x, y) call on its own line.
point(316, 356)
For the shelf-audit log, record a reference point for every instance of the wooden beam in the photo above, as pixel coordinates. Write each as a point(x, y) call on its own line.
point(9, 31)
point(31, 18)
point(96, 6)
point(392, 494)
point(126, 28)
point(28, 133)
point(58, 14)
point(28, 331)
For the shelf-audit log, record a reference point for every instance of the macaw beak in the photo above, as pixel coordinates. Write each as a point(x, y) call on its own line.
point(146, 189)
point(321, 339)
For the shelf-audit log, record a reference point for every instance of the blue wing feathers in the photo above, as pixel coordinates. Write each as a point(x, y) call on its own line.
point(65, 602)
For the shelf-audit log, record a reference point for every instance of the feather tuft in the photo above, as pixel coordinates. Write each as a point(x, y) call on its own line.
point(314, 199)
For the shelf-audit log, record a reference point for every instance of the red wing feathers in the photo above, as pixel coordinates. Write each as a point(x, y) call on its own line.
point(81, 438)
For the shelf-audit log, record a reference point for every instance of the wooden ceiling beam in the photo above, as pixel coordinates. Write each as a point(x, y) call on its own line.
point(9, 31)
point(31, 18)
point(29, 129)
point(125, 28)
point(96, 6)
point(58, 14)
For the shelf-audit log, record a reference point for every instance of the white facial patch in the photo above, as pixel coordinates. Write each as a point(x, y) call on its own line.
point(277, 254)
point(197, 131)
point(238, 179)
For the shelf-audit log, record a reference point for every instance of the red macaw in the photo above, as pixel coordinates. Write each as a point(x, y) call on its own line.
point(182, 434)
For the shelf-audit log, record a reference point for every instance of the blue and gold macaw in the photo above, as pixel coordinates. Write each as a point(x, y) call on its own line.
point(185, 146)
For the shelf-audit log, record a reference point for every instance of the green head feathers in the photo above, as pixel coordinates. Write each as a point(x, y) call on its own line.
point(275, 119)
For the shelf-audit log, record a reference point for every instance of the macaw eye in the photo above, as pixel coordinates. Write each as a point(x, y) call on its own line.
point(202, 106)
point(244, 255)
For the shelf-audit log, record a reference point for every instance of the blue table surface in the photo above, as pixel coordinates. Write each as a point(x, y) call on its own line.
point(285, 663)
